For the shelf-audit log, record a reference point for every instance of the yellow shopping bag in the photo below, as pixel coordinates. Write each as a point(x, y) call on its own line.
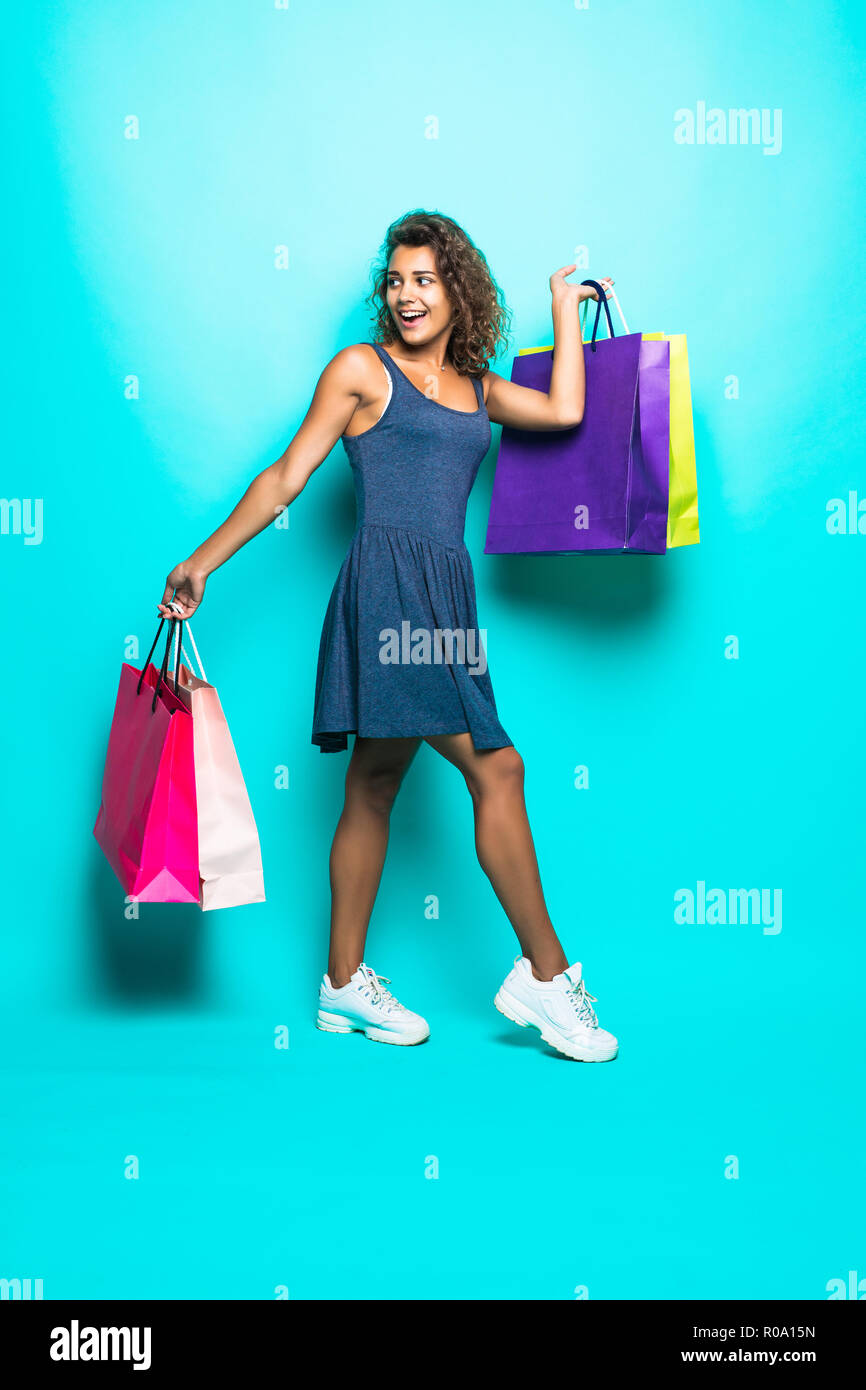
point(683, 496)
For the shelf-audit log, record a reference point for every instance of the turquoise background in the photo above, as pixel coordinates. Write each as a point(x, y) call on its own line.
point(304, 1168)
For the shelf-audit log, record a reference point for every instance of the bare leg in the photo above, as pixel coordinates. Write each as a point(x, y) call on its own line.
point(503, 842)
point(376, 769)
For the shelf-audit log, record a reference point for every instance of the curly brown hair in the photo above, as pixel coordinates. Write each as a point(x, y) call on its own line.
point(481, 317)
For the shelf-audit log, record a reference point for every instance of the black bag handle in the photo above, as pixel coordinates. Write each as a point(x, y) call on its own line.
point(171, 635)
point(149, 655)
point(163, 670)
point(602, 300)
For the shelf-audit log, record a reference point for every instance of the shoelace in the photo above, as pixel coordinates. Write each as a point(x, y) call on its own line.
point(580, 997)
point(376, 984)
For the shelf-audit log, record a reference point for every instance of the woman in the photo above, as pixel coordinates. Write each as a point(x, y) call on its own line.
point(400, 658)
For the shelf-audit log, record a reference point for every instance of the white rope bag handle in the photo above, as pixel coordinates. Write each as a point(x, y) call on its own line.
point(185, 624)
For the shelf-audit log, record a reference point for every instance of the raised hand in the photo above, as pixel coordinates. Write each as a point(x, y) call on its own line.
point(561, 290)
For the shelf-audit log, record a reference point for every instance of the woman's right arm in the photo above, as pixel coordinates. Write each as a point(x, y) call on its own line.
point(343, 383)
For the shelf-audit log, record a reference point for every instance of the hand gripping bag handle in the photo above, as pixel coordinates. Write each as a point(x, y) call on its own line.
point(585, 302)
point(602, 302)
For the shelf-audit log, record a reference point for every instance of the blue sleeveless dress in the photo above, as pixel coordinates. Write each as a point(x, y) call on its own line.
point(382, 671)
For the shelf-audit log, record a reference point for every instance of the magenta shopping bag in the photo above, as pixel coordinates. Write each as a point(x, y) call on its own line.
point(147, 825)
point(602, 485)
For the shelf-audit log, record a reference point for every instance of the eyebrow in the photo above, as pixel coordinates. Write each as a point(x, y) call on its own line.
point(413, 272)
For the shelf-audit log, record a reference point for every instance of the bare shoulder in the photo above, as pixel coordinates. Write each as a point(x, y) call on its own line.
point(354, 371)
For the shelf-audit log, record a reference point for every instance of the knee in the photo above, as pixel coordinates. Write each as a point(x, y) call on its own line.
point(377, 788)
point(500, 771)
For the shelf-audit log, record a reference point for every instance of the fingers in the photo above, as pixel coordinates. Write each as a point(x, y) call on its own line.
point(591, 293)
point(604, 282)
point(169, 603)
point(174, 609)
point(604, 285)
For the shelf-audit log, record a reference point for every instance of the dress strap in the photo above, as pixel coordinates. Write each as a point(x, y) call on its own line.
point(386, 363)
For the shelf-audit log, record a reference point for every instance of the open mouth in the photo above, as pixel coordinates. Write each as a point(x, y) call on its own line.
point(412, 316)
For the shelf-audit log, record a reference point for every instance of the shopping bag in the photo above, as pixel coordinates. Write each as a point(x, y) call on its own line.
point(682, 524)
point(602, 485)
point(147, 822)
point(229, 853)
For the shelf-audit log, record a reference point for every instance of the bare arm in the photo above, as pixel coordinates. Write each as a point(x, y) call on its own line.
point(340, 388)
point(561, 407)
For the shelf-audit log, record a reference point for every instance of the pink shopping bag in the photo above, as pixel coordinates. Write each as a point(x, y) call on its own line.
point(147, 824)
point(229, 853)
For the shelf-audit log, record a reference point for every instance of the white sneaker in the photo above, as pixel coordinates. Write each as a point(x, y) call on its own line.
point(559, 1009)
point(364, 1005)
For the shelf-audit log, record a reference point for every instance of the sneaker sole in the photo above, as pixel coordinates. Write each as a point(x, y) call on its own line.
point(509, 1009)
point(338, 1023)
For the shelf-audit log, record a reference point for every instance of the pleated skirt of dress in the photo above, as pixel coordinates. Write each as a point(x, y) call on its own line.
point(393, 577)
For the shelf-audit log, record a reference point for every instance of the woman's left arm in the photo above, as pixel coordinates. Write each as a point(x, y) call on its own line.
point(561, 407)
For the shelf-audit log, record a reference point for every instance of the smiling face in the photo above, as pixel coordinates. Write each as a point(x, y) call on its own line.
point(416, 295)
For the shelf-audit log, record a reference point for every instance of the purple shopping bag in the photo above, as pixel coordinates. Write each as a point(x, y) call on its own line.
point(602, 485)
